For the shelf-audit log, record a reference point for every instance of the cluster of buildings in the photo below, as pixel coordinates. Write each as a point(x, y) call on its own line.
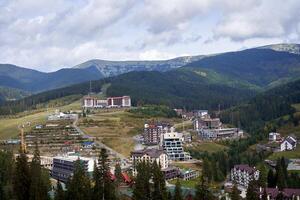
point(278, 143)
point(161, 157)
point(62, 116)
point(165, 136)
point(212, 129)
point(94, 102)
point(286, 193)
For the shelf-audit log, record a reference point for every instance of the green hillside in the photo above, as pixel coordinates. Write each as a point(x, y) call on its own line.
point(270, 105)
point(176, 88)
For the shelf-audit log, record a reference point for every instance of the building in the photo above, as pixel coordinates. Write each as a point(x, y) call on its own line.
point(152, 133)
point(150, 155)
point(171, 172)
point(220, 133)
point(243, 174)
point(207, 123)
point(63, 166)
point(172, 144)
point(289, 143)
point(274, 137)
point(111, 102)
point(188, 174)
point(287, 193)
point(123, 101)
point(61, 116)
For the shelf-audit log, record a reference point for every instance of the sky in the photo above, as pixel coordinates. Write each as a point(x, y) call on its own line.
point(47, 35)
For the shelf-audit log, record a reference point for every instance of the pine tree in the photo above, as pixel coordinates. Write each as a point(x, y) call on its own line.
point(207, 170)
point(271, 179)
point(118, 174)
point(78, 187)
point(202, 191)
point(104, 188)
point(38, 186)
point(281, 178)
point(251, 191)
point(59, 193)
point(159, 183)
point(142, 189)
point(178, 192)
point(235, 195)
point(21, 178)
point(170, 197)
point(265, 195)
point(263, 176)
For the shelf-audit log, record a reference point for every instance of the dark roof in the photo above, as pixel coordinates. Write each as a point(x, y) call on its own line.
point(290, 140)
point(246, 168)
point(289, 192)
point(153, 153)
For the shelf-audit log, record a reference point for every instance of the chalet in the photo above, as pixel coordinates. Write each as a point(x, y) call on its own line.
point(289, 143)
point(243, 174)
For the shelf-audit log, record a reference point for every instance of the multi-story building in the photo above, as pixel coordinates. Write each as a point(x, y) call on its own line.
point(91, 101)
point(171, 172)
point(123, 101)
point(149, 155)
point(188, 174)
point(172, 144)
point(243, 174)
point(207, 123)
point(152, 133)
point(220, 133)
point(64, 166)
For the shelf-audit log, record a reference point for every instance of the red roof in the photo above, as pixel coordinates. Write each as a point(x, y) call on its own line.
point(126, 178)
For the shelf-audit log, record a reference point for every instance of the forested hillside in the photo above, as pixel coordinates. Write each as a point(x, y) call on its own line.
point(179, 88)
point(264, 107)
point(260, 67)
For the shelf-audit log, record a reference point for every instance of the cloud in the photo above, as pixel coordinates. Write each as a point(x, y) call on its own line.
point(47, 35)
point(266, 19)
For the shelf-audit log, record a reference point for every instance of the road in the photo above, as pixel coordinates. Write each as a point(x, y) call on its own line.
point(99, 144)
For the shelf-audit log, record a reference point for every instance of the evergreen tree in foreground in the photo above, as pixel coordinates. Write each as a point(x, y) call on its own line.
point(159, 183)
point(38, 186)
point(202, 191)
point(178, 192)
point(142, 189)
point(118, 174)
point(78, 187)
point(59, 193)
point(104, 187)
point(271, 179)
point(235, 194)
point(21, 178)
point(251, 191)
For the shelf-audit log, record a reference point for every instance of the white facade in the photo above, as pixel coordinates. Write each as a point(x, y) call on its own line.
point(273, 137)
point(150, 155)
point(221, 133)
point(289, 143)
point(172, 143)
point(243, 174)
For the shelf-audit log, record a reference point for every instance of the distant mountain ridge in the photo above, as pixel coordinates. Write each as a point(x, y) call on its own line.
point(257, 68)
point(113, 68)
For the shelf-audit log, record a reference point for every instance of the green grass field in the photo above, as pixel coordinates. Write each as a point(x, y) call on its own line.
point(210, 147)
point(286, 154)
point(9, 125)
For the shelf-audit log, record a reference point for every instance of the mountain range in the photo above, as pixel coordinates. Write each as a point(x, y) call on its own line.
point(253, 70)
